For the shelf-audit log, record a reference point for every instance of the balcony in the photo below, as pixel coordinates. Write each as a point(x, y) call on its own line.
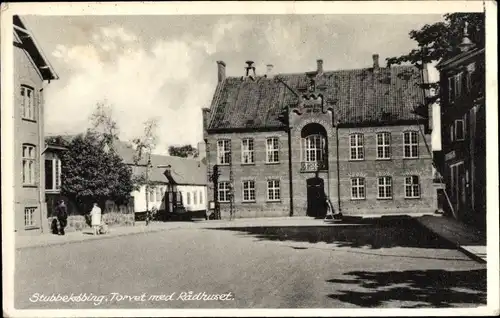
point(313, 166)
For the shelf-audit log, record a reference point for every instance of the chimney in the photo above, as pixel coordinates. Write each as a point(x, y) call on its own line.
point(221, 71)
point(319, 64)
point(250, 69)
point(269, 71)
point(375, 62)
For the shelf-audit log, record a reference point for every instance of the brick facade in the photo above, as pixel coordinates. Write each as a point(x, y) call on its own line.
point(314, 115)
point(370, 169)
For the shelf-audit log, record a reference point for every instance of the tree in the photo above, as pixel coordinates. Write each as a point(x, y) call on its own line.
point(442, 39)
point(183, 151)
point(92, 175)
point(103, 124)
point(144, 146)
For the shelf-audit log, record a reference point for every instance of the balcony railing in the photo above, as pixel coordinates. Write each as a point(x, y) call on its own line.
point(313, 166)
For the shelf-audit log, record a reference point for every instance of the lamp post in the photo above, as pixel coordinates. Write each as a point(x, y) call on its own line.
point(147, 188)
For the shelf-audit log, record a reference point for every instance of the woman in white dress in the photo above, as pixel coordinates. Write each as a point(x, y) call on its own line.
point(96, 218)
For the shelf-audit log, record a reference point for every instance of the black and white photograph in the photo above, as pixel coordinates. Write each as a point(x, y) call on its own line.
point(245, 158)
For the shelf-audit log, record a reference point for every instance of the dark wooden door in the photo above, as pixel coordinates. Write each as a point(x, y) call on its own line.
point(316, 198)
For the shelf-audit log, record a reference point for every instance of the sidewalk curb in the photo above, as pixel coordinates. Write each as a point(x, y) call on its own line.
point(103, 237)
point(456, 244)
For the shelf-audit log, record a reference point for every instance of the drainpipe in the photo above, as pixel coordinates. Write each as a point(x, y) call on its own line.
point(338, 168)
point(41, 140)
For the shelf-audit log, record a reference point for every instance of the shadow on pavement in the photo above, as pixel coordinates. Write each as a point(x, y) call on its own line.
point(427, 288)
point(372, 233)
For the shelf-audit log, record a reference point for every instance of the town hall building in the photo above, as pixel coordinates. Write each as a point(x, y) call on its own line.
point(283, 144)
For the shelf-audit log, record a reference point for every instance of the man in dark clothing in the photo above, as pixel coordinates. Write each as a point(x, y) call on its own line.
point(62, 216)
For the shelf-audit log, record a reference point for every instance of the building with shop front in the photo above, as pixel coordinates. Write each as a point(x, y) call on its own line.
point(32, 71)
point(462, 79)
point(281, 144)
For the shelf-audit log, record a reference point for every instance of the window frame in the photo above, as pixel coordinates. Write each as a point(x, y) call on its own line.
point(224, 153)
point(385, 146)
point(311, 148)
point(56, 175)
point(273, 190)
point(246, 151)
point(274, 150)
point(250, 190)
point(411, 144)
point(413, 187)
point(31, 218)
point(384, 185)
point(32, 108)
point(455, 124)
point(31, 160)
point(225, 190)
point(359, 147)
point(357, 187)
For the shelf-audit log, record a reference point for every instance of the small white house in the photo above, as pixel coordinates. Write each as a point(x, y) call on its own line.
point(179, 184)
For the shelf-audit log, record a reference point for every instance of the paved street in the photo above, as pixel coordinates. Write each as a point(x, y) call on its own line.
point(372, 263)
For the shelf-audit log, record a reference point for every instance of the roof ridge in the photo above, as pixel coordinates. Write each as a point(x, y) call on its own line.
point(327, 72)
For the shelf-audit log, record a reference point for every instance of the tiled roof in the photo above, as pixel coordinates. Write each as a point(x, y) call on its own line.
point(356, 96)
point(184, 171)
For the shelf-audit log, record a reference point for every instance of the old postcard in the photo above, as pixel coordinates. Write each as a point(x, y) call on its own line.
point(250, 159)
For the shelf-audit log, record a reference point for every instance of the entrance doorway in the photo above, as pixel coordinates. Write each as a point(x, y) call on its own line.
point(316, 197)
point(460, 195)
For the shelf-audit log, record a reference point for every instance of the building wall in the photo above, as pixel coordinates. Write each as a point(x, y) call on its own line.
point(159, 203)
point(28, 132)
point(397, 168)
point(260, 172)
point(369, 168)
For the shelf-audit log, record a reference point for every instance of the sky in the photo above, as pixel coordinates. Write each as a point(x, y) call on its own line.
point(164, 67)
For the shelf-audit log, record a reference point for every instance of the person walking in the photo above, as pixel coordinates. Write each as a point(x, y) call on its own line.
point(62, 216)
point(95, 213)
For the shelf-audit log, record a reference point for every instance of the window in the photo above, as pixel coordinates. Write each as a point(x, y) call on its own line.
point(384, 188)
point(272, 150)
point(357, 188)
point(29, 165)
point(162, 189)
point(53, 174)
point(452, 132)
point(412, 187)
point(29, 216)
point(188, 198)
point(458, 84)
point(451, 89)
point(27, 103)
point(223, 191)
point(273, 190)
point(314, 146)
point(248, 191)
point(247, 151)
point(195, 198)
point(410, 143)
point(356, 147)
point(201, 197)
point(158, 194)
point(151, 195)
point(459, 129)
point(224, 151)
point(384, 145)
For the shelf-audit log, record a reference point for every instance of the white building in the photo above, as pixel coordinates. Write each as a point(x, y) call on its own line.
point(179, 184)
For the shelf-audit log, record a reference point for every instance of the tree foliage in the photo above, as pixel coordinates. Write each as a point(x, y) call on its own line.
point(103, 123)
point(92, 175)
point(442, 39)
point(183, 151)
